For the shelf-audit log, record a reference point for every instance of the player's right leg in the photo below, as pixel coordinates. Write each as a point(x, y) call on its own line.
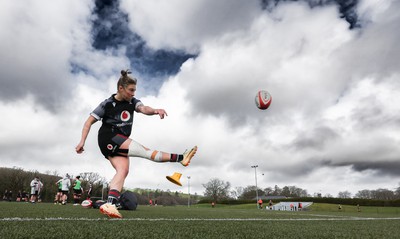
point(135, 149)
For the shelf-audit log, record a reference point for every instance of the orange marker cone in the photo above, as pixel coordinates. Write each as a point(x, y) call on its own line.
point(175, 178)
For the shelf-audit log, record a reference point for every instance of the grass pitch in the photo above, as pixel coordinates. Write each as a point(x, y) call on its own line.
point(43, 220)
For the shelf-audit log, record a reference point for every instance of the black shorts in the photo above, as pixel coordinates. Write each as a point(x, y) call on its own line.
point(109, 143)
point(77, 191)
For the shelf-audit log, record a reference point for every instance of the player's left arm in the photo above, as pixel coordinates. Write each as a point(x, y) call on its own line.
point(147, 110)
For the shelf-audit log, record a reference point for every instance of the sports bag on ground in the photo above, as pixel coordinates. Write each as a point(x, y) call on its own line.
point(128, 201)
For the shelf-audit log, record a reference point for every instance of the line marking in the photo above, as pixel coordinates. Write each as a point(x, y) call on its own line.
point(14, 219)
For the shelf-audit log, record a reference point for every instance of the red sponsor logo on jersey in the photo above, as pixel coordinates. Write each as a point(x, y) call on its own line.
point(109, 147)
point(125, 115)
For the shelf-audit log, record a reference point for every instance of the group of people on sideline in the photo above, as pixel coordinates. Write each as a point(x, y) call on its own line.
point(63, 185)
point(22, 196)
point(260, 204)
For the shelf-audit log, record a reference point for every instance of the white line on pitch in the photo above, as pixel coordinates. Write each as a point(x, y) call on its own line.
point(12, 219)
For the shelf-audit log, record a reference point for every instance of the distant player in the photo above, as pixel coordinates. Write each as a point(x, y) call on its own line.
point(58, 197)
point(270, 204)
point(39, 188)
point(9, 196)
point(5, 195)
point(19, 196)
point(77, 190)
point(260, 203)
point(25, 196)
point(34, 189)
point(117, 114)
point(65, 185)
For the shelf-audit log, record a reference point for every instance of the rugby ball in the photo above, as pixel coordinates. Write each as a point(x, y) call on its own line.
point(263, 99)
point(87, 203)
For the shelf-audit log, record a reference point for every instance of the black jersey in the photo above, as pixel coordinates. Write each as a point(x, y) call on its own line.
point(117, 116)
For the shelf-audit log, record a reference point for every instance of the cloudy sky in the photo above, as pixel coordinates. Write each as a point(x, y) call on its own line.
point(332, 68)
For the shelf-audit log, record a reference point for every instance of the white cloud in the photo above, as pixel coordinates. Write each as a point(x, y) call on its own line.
point(188, 24)
point(37, 40)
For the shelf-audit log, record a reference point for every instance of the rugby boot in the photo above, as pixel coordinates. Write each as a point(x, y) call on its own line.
point(110, 210)
point(188, 155)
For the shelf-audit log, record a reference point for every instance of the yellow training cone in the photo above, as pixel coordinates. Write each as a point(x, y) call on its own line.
point(175, 178)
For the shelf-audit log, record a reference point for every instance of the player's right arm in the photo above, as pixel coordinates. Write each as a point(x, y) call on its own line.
point(85, 131)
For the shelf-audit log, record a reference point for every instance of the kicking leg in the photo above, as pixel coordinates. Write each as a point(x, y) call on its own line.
point(137, 150)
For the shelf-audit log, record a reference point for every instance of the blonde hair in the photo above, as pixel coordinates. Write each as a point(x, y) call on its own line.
point(125, 79)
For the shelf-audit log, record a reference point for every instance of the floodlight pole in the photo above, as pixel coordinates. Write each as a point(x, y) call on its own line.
point(188, 190)
point(255, 175)
point(102, 191)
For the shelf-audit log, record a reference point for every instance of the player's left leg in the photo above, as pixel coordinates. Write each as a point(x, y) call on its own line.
point(121, 166)
point(56, 198)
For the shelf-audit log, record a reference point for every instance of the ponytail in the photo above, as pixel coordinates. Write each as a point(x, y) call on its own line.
point(125, 79)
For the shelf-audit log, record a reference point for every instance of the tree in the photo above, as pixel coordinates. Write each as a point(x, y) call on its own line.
point(249, 192)
point(157, 193)
point(18, 179)
point(344, 194)
point(328, 195)
point(268, 191)
point(397, 193)
point(297, 192)
point(383, 194)
point(237, 192)
point(95, 180)
point(217, 189)
point(277, 191)
point(286, 192)
point(364, 194)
